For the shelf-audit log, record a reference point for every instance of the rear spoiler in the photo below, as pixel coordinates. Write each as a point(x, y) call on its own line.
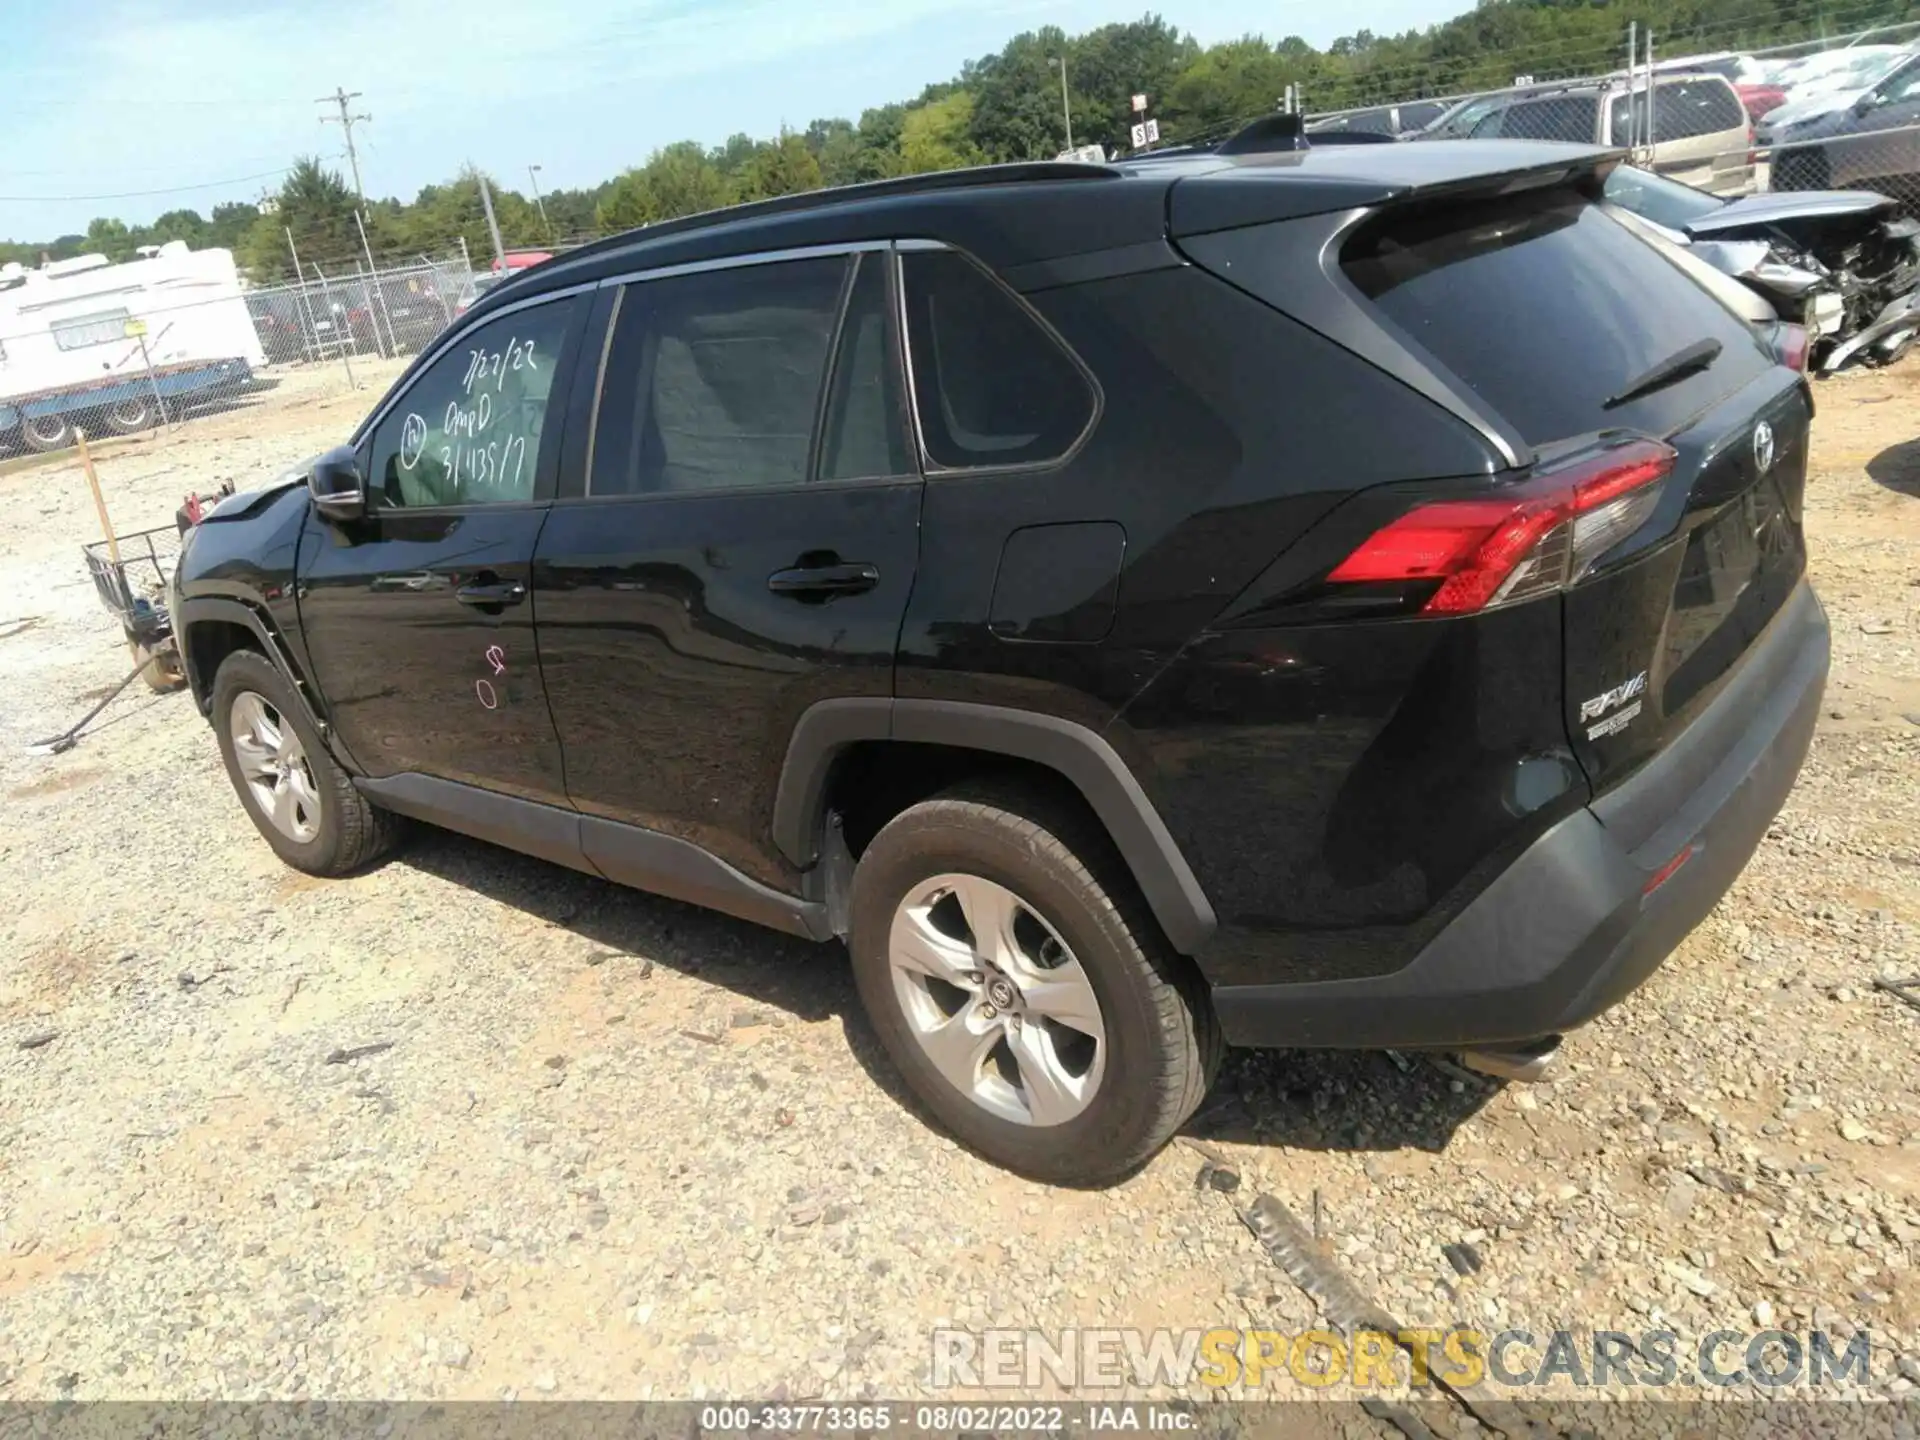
point(1269, 185)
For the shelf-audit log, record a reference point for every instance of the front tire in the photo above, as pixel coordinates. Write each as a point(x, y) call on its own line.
point(303, 804)
point(1022, 988)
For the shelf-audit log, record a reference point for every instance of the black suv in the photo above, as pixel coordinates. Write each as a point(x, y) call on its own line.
point(1343, 597)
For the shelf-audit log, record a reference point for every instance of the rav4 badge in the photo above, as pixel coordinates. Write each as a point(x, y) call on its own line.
point(1606, 700)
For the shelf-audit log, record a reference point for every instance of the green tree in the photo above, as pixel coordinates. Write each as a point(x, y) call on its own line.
point(110, 238)
point(179, 225)
point(784, 167)
point(1116, 62)
point(678, 180)
point(1017, 114)
point(938, 136)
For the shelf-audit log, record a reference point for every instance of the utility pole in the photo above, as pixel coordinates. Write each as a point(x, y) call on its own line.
point(533, 174)
point(346, 122)
point(1059, 62)
point(493, 225)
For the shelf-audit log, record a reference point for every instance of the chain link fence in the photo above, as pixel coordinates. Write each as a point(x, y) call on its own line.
point(116, 350)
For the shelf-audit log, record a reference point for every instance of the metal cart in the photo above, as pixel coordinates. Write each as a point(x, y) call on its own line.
point(131, 573)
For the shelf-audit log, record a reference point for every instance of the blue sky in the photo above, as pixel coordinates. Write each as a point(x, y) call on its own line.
point(105, 97)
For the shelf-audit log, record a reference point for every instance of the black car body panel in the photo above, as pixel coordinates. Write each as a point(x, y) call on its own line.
point(658, 657)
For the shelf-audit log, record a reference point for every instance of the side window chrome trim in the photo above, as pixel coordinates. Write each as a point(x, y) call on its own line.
point(452, 341)
point(737, 262)
point(928, 467)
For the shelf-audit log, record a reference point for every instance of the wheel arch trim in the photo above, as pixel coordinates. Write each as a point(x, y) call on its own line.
point(1080, 755)
point(209, 609)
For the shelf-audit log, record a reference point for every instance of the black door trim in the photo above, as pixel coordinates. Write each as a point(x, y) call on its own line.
point(626, 854)
point(1081, 755)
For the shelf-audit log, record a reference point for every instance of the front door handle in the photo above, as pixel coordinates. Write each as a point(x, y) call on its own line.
point(491, 594)
point(823, 582)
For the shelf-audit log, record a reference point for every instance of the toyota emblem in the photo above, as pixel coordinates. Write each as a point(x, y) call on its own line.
point(1763, 447)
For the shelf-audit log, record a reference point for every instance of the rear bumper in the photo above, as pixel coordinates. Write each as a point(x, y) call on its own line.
point(1569, 928)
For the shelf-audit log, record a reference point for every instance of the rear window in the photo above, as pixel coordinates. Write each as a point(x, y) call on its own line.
point(1684, 110)
point(1559, 117)
point(1544, 307)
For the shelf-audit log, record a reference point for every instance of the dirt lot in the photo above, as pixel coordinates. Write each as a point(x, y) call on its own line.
point(472, 1125)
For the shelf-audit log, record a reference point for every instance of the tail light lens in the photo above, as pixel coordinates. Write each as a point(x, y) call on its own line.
point(1790, 346)
point(1753, 152)
point(1532, 538)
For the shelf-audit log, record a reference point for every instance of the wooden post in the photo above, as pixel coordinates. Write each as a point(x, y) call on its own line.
point(106, 525)
point(99, 500)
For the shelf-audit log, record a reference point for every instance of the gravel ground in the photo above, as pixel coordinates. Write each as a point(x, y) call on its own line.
point(470, 1125)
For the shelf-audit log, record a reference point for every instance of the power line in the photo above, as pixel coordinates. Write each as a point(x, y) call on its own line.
point(140, 194)
point(346, 122)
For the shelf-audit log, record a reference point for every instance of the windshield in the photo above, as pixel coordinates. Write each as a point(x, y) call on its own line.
point(1656, 198)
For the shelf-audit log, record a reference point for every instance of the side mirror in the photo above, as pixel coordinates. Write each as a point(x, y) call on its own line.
point(339, 490)
point(1866, 104)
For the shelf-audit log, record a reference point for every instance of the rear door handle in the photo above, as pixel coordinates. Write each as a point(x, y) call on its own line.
point(491, 594)
point(824, 581)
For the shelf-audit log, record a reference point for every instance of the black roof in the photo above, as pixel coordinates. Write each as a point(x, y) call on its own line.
point(1015, 215)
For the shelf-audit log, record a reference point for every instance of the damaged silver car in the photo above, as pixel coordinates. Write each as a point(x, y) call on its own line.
point(1845, 264)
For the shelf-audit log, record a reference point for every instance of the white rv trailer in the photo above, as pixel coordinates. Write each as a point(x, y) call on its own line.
point(116, 347)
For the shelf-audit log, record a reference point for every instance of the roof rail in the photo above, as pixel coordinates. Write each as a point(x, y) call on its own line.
point(1020, 172)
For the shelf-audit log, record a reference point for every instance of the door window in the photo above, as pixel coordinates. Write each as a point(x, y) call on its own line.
point(1902, 86)
point(991, 385)
point(1563, 117)
point(715, 381)
point(469, 429)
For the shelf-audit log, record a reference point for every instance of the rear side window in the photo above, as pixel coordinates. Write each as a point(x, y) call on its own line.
point(713, 380)
point(1420, 114)
point(1684, 109)
point(1559, 117)
point(991, 384)
point(1545, 308)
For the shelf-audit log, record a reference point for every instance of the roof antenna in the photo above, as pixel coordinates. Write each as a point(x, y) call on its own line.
point(1278, 131)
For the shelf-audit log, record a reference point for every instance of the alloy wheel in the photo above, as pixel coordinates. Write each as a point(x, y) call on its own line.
point(274, 766)
point(996, 1000)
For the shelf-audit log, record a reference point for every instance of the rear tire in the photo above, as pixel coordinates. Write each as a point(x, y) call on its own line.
point(303, 805)
point(46, 433)
point(1070, 909)
point(130, 417)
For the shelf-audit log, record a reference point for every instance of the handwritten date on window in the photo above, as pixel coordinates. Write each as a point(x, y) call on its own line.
point(482, 439)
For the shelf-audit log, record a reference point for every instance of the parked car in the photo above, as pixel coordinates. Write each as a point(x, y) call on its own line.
point(1839, 86)
point(1137, 607)
point(1401, 119)
point(1700, 131)
point(1752, 79)
point(1873, 143)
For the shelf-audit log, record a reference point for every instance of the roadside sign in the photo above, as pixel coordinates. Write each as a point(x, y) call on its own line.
point(135, 329)
point(1523, 80)
point(1139, 104)
point(1146, 133)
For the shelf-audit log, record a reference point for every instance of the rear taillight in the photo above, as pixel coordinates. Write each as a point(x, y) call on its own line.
point(1530, 539)
point(1753, 152)
point(1789, 344)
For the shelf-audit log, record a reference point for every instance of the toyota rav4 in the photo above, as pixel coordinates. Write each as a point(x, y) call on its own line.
point(1324, 597)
